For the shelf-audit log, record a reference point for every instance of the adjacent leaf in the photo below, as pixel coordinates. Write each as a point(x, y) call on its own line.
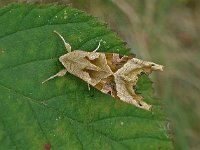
point(63, 114)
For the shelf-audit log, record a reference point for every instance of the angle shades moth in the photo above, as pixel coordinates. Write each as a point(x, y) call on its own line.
point(108, 72)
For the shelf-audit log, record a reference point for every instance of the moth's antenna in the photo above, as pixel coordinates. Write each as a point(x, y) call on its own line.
point(98, 46)
point(67, 46)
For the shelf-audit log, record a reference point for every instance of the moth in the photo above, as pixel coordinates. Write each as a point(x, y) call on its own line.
point(108, 72)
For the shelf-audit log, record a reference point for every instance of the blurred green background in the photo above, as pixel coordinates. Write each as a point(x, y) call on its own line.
point(165, 32)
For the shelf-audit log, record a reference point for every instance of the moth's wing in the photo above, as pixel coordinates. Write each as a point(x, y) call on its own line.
point(121, 84)
point(108, 86)
point(116, 61)
point(113, 63)
point(126, 79)
point(89, 66)
point(125, 92)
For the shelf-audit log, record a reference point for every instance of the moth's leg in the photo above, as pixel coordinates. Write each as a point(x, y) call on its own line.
point(59, 74)
point(98, 46)
point(67, 46)
point(88, 86)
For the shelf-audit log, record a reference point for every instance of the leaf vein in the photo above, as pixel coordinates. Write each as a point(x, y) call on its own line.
point(120, 117)
point(39, 125)
point(148, 137)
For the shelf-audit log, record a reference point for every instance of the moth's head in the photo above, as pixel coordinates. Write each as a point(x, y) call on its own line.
point(62, 58)
point(156, 67)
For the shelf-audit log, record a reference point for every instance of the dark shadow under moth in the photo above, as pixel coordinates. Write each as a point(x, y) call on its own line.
point(108, 72)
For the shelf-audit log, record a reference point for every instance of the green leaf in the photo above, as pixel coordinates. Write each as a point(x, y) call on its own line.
point(62, 113)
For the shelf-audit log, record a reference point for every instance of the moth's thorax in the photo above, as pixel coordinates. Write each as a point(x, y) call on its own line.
point(90, 66)
point(62, 58)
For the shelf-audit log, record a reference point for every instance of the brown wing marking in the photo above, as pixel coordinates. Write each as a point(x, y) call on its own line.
point(108, 86)
point(116, 61)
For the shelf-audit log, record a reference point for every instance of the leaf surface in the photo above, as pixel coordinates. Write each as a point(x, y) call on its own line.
point(62, 113)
